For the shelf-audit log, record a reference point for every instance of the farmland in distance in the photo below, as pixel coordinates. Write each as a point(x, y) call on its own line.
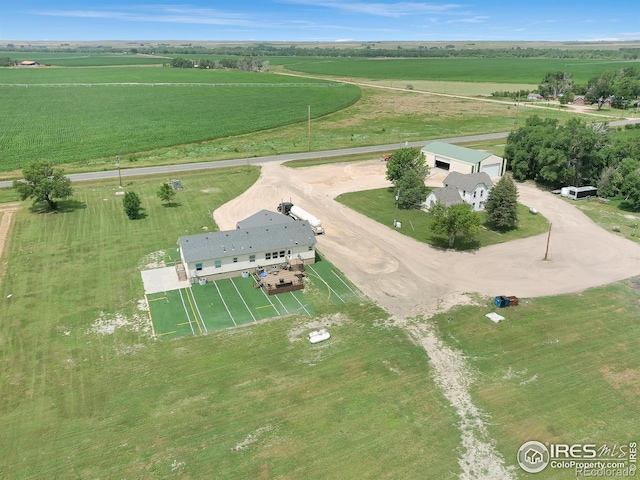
point(67, 115)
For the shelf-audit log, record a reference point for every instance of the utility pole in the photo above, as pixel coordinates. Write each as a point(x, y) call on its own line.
point(546, 253)
point(395, 216)
point(118, 164)
point(309, 126)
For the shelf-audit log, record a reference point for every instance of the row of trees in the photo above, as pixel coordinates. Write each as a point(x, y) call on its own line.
point(369, 49)
point(45, 184)
point(619, 88)
point(249, 64)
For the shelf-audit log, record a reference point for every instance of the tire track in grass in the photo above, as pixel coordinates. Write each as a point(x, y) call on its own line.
point(479, 458)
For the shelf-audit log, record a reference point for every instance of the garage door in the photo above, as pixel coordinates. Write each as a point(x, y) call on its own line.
point(442, 163)
point(493, 169)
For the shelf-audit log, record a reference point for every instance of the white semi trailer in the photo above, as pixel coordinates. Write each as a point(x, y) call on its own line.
point(300, 214)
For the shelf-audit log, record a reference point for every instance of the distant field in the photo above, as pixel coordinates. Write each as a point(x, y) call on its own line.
point(71, 123)
point(495, 70)
point(83, 60)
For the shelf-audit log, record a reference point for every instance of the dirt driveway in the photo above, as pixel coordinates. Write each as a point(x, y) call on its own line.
point(408, 277)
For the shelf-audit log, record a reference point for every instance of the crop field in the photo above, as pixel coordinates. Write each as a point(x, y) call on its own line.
point(59, 59)
point(498, 70)
point(101, 118)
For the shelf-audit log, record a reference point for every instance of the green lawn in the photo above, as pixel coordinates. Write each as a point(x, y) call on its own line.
point(560, 369)
point(85, 392)
point(379, 204)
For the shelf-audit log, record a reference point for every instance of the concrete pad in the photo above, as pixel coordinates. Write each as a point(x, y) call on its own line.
point(162, 280)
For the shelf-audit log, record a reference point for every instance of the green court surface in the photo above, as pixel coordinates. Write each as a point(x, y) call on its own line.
point(235, 301)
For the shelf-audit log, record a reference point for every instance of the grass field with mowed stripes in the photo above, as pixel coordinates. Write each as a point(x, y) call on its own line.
point(235, 301)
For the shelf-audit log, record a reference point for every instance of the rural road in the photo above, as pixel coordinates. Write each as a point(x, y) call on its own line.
point(188, 167)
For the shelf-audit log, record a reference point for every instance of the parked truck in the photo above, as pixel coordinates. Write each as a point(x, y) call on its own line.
point(298, 213)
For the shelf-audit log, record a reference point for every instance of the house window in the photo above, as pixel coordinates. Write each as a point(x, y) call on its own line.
point(267, 256)
point(310, 248)
point(198, 267)
point(235, 259)
point(474, 194)
point(481, 193)
point(274, 255)
point(464, 192)
point(252, 258)
point(218, 263)
point(281, 253)
point(289, 252)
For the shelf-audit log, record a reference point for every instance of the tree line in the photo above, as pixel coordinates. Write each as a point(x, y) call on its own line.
point(577, 154)
point(367, 50)
point(249, 64)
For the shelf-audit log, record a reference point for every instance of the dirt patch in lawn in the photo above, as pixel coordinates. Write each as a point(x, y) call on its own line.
point(7, 211)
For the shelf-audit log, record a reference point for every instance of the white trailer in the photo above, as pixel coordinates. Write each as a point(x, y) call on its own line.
point(301, 214)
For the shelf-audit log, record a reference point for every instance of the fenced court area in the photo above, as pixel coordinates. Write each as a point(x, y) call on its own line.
point(230, 302)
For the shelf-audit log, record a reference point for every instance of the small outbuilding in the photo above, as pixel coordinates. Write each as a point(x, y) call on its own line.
point(454, 158)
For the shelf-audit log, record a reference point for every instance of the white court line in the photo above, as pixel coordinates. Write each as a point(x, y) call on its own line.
point(185, 311)
point(328, 286)
point(225, 304)
point(198, 309)
point(303, 307)
point(242, 298)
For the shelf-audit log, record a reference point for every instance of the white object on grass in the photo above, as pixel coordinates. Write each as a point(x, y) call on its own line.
point(495, 318)
point(318, 336)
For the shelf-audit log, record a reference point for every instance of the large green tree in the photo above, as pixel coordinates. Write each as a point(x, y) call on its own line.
point(411, 190)
point(557, 155)
point(43, 183)
point(502, 204)
point(453, 221)
point(556, 84)
point(405, 160)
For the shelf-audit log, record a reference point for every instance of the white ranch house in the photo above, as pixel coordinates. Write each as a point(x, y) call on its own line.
point(454, 158)
point(264, 239)
point(471, 188)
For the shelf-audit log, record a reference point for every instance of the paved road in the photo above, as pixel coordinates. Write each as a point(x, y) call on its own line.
point(189, 167)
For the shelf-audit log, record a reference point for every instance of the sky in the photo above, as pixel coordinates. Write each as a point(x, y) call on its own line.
point(320, 20)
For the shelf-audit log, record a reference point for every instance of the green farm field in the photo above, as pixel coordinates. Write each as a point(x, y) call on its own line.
point(475, 70)
point(165, 115)
point(79, 59)
point(88, 120)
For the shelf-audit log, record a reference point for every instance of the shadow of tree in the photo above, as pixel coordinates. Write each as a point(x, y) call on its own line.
point(172, 205)
point(62, 206)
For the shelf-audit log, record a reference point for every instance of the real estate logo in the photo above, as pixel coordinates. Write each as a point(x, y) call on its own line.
point(533, 456)
point(586, 459)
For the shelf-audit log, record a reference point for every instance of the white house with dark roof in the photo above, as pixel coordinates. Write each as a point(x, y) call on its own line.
point(471, 188)
point(264, 239)
point(454, 158)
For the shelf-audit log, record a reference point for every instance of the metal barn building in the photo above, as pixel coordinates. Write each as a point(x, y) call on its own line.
point(454, 158)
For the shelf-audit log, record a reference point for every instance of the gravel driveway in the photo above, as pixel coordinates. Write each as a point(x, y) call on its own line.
point(407, 277)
